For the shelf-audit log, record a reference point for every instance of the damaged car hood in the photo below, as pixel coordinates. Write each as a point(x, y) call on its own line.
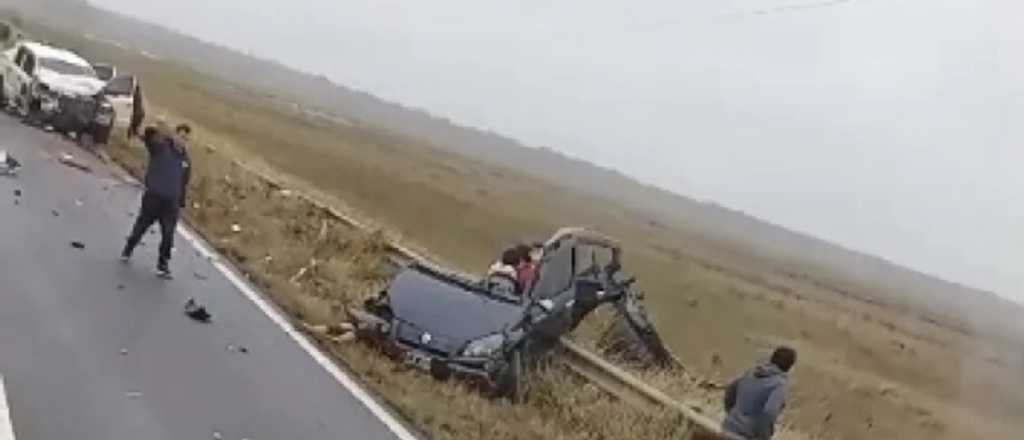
point(74, 85)
point(432, 303)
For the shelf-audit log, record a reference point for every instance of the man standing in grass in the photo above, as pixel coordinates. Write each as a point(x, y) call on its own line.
point(754, 401)
point(167, 177)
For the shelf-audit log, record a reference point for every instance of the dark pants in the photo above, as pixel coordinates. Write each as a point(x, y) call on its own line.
point(155, 208)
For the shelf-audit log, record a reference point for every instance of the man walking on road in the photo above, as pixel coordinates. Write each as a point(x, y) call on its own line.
point(753, 402)
point(167, 177)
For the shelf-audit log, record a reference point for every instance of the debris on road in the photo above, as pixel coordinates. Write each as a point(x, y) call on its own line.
point(77, 245)
point(298, 275)
point(133, 394)
point(237, 349)
point(196, 311)
point(200, 276)
point(78, 202)
point(217, 436)
point(70, 161)
point(54, 213)
point(17, 193)
point(124, 351)
point(236, 228)
point(120, 287)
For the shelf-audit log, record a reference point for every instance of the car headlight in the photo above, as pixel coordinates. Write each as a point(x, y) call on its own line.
point(485, 346)
point(44, 91)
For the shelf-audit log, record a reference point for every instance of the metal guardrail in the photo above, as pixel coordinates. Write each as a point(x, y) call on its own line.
point(628, 388)
point(593, 368)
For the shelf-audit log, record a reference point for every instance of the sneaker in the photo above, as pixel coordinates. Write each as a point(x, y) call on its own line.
point(163, 271)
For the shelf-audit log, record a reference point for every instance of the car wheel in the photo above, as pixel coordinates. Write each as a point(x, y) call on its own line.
point(3, 95)
point(102, 135)
point(86, 141)
point(22, 104)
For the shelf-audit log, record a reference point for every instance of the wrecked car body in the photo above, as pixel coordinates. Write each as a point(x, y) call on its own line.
point(57, 88)
point(452, 326)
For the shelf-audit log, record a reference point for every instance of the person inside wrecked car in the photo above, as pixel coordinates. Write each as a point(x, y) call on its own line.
point(506, 269)
point(754, 401)
point(166, 182)
point(526, 269)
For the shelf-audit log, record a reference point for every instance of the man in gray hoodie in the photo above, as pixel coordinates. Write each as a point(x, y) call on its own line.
point(753, 402)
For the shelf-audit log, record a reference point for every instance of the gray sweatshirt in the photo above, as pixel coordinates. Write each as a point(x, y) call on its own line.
point(753, 402)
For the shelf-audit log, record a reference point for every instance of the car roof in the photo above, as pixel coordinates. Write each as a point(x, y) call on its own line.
point(44, 51)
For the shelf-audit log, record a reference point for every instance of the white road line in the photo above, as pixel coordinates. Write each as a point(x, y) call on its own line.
point(6, 428)
point(344, 379)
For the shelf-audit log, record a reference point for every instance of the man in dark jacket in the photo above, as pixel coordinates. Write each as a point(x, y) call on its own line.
point(754, 401)
point(166, 182)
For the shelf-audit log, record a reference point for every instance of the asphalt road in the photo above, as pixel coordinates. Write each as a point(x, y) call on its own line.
point(91, 348)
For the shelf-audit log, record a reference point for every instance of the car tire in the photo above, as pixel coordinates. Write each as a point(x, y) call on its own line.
point(3, 95)
point(102, 134)
point(86, 141)
point(22, 104)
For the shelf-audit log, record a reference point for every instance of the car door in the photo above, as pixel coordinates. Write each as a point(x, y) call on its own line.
point(554, 288)
point(590, 265)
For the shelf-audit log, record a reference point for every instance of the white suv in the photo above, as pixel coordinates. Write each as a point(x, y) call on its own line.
point(54, 87)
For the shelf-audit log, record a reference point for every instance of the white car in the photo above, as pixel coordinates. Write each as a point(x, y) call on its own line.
point(55, 87)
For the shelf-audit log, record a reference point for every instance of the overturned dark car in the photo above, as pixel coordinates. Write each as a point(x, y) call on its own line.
point(452, 326)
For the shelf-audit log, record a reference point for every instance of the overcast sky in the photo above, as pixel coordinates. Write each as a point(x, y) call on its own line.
point(890, 126)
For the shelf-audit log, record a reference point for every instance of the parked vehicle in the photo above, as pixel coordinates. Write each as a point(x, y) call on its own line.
point(452, 326)
point(55, 87)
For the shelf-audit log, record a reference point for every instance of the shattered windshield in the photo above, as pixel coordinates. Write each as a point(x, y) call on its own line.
point(65, 68)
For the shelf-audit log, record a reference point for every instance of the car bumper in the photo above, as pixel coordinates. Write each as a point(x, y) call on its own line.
point(481, 372)
point(74, 114)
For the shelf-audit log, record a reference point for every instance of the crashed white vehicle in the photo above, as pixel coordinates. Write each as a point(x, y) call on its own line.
point(55, 87)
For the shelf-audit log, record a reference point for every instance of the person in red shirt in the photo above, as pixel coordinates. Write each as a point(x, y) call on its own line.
point(526, 270)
